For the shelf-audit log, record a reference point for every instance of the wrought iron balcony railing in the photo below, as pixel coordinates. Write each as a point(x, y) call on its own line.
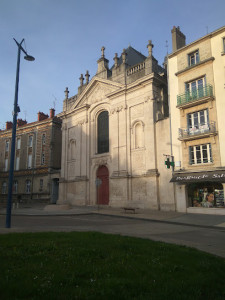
point(199, 129)
point(206, 91)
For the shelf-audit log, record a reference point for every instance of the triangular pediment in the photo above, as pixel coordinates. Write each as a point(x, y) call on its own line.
point(97, 91)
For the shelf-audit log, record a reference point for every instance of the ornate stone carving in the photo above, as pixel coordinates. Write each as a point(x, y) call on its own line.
point(101, 160)
point(99, 93)
point(118, 109)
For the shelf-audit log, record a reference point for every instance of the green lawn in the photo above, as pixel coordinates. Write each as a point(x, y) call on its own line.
point(99, 266)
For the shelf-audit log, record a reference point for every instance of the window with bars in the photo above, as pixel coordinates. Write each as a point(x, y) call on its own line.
point(103, 132)
point(200, 154)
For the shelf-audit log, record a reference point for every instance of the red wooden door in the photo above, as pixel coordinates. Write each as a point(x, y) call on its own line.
point(103, 188)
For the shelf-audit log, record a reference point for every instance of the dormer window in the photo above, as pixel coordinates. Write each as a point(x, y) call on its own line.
point(193, 58)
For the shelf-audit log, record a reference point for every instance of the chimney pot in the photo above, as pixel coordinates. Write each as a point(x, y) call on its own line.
point(9, 125)
point(42, 116)
point(52, 113)
point(21, 122)
point(178, 38)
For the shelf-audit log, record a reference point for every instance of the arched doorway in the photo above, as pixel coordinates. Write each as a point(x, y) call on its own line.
point(102, 185)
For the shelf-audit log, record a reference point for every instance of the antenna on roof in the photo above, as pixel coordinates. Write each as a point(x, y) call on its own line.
point(166, 47)
point(54, 101)
point(25, 113)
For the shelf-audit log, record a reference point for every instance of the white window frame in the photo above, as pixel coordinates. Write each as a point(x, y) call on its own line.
point(6, 164)
point(29, 161)
point(194, 85)
point(199, 125)
point(202, 150)
point(17, 163)
point(28, 186)
point(195, 57)
point(30, 141)
point(18, 144)
point(15, 186)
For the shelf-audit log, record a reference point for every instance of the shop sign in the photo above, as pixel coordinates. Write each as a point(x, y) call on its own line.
point(201, 176)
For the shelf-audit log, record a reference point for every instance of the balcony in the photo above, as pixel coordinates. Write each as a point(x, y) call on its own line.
point(202, 94)
point(201, 130)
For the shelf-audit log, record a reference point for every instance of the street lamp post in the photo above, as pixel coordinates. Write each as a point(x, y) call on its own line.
point(15, 112)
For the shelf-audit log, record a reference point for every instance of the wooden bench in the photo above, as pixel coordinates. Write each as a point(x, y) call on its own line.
point(133, 209)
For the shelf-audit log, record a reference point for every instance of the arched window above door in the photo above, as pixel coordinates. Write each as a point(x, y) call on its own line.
point(103, 132)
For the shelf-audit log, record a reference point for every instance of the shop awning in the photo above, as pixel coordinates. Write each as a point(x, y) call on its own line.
point(218, 176)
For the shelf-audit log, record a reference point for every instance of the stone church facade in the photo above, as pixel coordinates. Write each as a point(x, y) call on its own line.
point(115, 135)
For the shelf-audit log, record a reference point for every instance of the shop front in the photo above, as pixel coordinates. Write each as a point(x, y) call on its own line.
point(203, 190)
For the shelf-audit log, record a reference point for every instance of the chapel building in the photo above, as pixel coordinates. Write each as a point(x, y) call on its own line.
point(115, 136)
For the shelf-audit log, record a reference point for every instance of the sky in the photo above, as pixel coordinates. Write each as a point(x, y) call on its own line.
point(66, 36)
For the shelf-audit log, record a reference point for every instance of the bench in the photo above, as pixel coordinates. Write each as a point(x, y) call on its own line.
point(133, 209)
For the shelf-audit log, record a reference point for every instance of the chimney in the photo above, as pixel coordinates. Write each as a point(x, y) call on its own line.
point(8, 125)
point(178, 38)
point(52, 113)
point(42, 116)
point(21, 122)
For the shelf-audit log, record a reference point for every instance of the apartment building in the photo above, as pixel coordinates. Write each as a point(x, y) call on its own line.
point(196, 78)
point(37, 159)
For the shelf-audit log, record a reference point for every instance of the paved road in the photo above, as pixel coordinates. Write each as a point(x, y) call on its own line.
point(210, 239)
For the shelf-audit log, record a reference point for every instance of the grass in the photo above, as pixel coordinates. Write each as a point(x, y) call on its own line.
point(99, 266)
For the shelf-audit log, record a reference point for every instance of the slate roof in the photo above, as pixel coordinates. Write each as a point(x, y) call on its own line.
point(133, 57)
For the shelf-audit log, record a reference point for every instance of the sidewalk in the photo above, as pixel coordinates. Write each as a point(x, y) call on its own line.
point(189, 219)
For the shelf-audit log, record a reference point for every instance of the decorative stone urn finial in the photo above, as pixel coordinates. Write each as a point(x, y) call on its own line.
point(87, 77)
point(150, 46)
point(81, 79)
point(124, 54)
point(116, 60)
